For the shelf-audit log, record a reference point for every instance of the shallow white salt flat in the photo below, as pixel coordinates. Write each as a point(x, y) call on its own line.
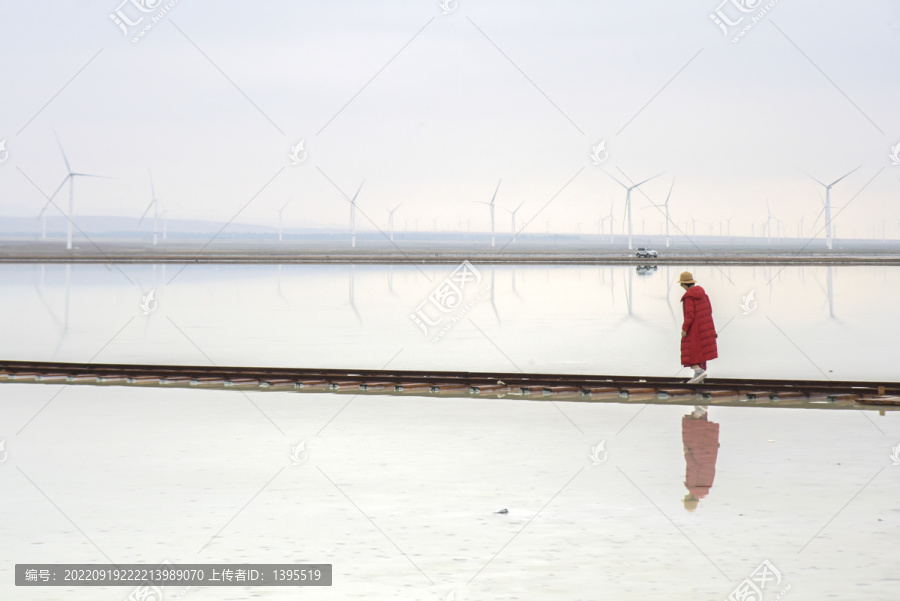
point(153, 474)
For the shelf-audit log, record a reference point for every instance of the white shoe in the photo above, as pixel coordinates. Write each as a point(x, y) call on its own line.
point(698, 377)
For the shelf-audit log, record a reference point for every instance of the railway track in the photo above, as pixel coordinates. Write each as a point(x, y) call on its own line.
point(565, 387)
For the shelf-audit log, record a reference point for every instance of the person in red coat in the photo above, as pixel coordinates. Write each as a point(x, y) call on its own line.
point(698, 332)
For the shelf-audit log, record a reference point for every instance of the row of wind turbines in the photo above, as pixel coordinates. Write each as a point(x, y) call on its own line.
point(664, 207)
point(70, 179)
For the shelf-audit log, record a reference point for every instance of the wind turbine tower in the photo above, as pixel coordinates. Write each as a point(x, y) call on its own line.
point(280, 213)
point(828, 227)
point(391, 220)
point(154, 203)
point(353, 217)
point(513, 214)
point(70, 177)
point(628, 190)
point(491, 205)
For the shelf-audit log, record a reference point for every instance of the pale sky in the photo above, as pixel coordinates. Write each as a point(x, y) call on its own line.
point(432, 109)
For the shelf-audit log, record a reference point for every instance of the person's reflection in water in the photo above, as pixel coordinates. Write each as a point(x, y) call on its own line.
point(701, 447)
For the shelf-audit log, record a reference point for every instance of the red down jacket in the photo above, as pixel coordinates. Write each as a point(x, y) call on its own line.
point(699, 344)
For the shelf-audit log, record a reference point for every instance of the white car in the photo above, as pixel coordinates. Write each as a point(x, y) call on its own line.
point(646, 252)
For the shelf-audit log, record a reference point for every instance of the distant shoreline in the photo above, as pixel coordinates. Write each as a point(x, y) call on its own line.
point(387, 256)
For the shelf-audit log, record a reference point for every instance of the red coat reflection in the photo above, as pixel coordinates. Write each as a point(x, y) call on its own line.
point(701, 448)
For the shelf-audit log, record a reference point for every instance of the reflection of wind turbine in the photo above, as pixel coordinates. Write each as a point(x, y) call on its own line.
point(828, 232)
point(494, 304)
point(155, 204)
point(391, 220)
point(628, 190)
point(829, 282)
point(353, 219)
point(352, 293)
point(513, 213)
point(70, 177)
point(280, 212)
point(491, 204)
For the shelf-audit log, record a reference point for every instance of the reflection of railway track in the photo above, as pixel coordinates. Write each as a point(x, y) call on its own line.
point(770, 393)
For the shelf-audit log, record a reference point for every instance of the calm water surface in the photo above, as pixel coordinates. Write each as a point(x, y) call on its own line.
point(802, 322)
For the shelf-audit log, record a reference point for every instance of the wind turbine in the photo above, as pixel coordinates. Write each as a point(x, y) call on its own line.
point(280, 212)
point(155, 204)
point(611, 221)
point(828, 227)
point(491, 204)
point(628, 190)
point(513, 214)
point(391, 220)
point(666, 205)
point(70, 177)
point(768, 222)
point(353, 219)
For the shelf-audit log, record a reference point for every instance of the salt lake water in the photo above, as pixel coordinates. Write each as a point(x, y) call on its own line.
point(400, 494)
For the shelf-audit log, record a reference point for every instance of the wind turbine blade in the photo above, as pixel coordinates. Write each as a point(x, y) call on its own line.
point(495, 192)
point(842, 177)
point(65, 159)
point(44, 208)
point(146, 211)
point(647, 180)
point(55, 192)
point(670, 193)
point(520, 205)
point(152, 188)
point(353, 201)
point(614, 179)
point(812, 178)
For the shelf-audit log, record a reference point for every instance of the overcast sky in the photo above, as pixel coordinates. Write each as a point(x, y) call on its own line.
point(433, 109)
